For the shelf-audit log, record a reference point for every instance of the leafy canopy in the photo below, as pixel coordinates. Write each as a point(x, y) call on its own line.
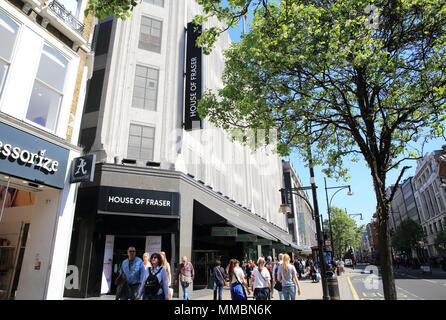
point(407, 235)
point(346, 233)
point(440, 241)
point(322, 74)
point(120, 9)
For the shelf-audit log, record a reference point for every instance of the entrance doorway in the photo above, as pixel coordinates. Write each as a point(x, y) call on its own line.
point(204, 262)
point(120, 247)
point(16, 206)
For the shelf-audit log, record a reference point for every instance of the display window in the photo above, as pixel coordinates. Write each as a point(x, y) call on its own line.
point(16, 206)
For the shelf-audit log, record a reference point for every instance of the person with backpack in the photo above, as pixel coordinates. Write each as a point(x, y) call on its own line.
point(270, 266)
point(156, 280)
point(132, 270)
point(219, 275)
point(248, 271)
point(260, 283)
point(277, 283)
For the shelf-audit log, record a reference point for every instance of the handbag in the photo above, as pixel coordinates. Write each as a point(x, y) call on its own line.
point(224, 279)
point(243, 288)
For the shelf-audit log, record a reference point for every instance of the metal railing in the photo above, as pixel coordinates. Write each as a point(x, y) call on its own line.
point(66, 16)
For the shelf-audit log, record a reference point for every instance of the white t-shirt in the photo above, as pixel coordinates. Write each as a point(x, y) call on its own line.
point(238, 272)
point(260, 282)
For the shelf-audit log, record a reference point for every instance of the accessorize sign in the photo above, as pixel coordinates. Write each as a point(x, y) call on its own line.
point(26, 156)
point(124, 200)
point(193, 78)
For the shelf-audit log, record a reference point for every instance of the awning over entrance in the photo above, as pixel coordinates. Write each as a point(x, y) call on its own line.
point(239, 224)
point(279, 239)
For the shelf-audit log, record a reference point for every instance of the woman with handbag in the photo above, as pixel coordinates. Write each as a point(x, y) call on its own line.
point(238, 283)
point(261, 281)
point(219, 275)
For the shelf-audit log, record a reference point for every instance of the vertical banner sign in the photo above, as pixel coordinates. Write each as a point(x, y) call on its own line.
point(193, 79)
point(108, 260)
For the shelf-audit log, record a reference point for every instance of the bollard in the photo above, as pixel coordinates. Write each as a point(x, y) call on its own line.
point(333, 288)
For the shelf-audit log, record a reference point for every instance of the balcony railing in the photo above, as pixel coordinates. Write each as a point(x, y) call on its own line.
point(66, 16)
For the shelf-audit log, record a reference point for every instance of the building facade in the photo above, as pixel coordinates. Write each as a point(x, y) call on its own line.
point(44, 59)
point(163, 182)
point(430, 198)
point(301, 224)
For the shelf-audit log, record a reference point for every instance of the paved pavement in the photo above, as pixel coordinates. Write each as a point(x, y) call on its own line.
point(309, 291)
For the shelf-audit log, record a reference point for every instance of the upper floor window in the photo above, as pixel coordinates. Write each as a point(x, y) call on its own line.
point(145, 90)
point(71, 6)
point(159, 3)
point(47, 94)
point(141, 142)
point(8, 36)
point(150, 34)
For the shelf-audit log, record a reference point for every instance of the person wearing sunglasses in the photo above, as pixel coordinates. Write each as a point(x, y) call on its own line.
point(132, 270)
point(156, 281)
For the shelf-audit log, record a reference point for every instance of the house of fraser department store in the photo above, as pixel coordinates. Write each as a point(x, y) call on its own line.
point(164, 180)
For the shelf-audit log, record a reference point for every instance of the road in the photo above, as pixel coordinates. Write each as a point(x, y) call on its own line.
point(410, 284)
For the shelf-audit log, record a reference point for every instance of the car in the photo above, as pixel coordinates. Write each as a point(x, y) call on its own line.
point(348, 262)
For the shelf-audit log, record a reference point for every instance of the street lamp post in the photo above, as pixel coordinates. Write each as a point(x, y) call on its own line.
point(329, 210)
point(285, 209)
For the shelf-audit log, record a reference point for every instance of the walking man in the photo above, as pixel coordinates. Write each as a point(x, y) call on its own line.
point(270, 266)
point(276, 281)
point(187, 274)
point(132, 270)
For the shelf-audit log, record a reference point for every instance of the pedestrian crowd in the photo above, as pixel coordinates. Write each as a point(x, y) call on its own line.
point(150, 278)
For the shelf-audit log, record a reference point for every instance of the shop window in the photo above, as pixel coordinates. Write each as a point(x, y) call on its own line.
point(47, 93)
point(150, 34)
point(141, 142)
point(145, 89)
point(8, 34)
point(159, 3)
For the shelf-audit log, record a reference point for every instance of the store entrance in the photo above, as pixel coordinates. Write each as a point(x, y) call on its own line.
point(120, 247)
point(16, 208)
point(204, 262)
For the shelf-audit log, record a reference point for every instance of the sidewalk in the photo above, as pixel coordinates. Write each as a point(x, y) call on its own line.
point(309, 291)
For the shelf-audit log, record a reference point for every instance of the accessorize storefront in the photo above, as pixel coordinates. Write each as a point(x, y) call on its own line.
point(36, 211)
point(157, 210)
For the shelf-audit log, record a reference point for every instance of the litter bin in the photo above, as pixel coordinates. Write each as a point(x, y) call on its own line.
point(333, 288)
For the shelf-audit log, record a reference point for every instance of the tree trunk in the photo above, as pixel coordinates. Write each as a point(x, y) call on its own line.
point(384, 240)
point(385, 255)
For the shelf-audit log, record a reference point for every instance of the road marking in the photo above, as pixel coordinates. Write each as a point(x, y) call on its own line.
point(355, 294)
point(414, 295)
point(430, 281)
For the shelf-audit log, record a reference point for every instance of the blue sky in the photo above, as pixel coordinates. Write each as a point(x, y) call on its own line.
point(363, 199)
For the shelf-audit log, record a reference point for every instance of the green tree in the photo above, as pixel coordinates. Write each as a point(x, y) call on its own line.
point(440, 241)
point(121, 9)
point(407, 235)
point(325, 76)
point(346, 233)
